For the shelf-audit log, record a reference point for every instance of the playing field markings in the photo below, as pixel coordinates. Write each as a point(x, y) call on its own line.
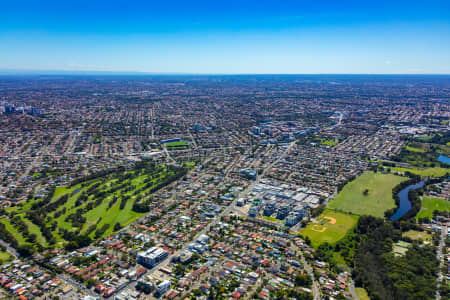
point(318, 230)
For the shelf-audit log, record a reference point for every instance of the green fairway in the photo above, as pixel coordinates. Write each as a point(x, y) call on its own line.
point(20, 239)
point(415, 149)
point(35, 230)
point(104, 213)
point(379, 198)
point(429, 172)
point(430, 204)
point(332, 227)
point(91, 207)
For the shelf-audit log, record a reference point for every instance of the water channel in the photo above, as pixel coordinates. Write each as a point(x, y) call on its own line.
point(405, 204)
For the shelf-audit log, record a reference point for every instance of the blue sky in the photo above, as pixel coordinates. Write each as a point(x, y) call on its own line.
point(227, 36)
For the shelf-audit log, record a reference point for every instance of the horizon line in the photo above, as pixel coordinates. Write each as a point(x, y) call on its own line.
point(113, 72)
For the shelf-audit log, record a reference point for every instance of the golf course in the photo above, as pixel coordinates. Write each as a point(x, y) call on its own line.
point(93, 207)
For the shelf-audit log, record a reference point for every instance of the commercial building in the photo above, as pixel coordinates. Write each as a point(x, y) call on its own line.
point(152, 257)
point(163, 287)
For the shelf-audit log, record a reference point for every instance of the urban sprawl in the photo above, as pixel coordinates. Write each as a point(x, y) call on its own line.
point(224, 187)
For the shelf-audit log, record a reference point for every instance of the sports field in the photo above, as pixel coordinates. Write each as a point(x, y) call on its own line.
point(430, 204)
point(378, 199)
point(177, 145)
point(331, 226)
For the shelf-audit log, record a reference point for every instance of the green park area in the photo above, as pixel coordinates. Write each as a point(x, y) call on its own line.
point(400, 248)
point(331, 226)
point(271, 219)
point(430, 204)
point(414, 149)
point(328, 143)
point(423, 155)
point(362, 294)
point(177, 145)
point(92, 207)
point(369, 194)
point(427, 171)
point(325, 142)
point(418, 235)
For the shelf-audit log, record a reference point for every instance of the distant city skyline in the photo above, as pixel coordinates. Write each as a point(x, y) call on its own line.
point(233, 37)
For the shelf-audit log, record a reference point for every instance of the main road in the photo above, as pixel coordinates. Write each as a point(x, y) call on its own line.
point(440, 258)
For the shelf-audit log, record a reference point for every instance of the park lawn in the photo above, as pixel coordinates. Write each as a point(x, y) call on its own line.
point(333, 232)
point(418, 235)
point(328, 143)
point(428, 172)
point(379, 199)
point(325, 142)
point(362, 294)
point(271, 219)
point(430, 204)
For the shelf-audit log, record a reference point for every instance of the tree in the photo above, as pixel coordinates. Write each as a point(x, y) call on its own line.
point(25, 250)
point(90, 283)
point(117, 226)
point(303, 280)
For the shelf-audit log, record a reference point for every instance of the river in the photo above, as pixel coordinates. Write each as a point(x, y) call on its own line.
point(444, 159)
point(405, 204)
